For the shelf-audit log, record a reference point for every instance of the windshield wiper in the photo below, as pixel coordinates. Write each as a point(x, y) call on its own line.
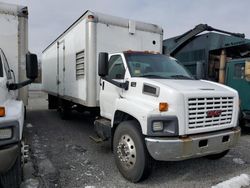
point(179, 76)
point(152, 76)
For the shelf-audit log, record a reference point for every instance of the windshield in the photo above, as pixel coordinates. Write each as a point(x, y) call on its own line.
point(155, 66)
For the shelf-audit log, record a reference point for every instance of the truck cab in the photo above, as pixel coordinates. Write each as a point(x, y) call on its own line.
point(158, 110)
point(12, 113)
point(11, 125)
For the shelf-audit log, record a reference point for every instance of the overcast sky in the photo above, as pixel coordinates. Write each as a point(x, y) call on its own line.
point(49, 18)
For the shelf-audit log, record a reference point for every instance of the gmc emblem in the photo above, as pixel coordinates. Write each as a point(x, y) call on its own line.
point(214, 113)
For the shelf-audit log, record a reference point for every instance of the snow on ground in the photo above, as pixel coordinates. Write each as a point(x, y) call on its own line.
point(236, 182)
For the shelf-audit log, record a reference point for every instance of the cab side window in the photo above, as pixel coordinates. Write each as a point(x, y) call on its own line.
point(116, 68)
point(1, 68)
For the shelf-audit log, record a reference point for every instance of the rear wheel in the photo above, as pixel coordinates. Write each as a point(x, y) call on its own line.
point(52, 102)
point(217, 156)
point(13, 178)
point(65, 109)
point(131, 155)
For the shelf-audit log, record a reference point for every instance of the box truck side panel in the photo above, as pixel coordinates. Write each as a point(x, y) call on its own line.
point(14, 42)
point(116, 39)
point(75, 63)
point(8, 40)
point(74, 54)
point(64, 62)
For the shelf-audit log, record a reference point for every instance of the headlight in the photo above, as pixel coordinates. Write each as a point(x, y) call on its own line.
point(157, 126)
point(163, 126)
point(5, 133)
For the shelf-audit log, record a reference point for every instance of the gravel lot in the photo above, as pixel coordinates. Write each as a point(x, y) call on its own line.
point(63, 155)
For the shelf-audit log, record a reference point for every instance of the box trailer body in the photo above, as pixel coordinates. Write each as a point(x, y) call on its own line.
point(150, 106)
point(70, 63)
point(14, 42)
point(13, 93)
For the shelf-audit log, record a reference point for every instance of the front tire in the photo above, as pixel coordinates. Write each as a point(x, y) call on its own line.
point(13, 178)
point(131, 155)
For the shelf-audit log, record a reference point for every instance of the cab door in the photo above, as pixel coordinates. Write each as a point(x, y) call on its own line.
point(109, 93)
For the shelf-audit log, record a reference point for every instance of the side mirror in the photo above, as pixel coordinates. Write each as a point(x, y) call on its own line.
point(103, 64)
point(199, 70)
point(31, 66)
point(247, 70)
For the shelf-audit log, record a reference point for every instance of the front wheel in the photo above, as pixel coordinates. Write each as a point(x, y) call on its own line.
point(12, 178)
point(131, 155)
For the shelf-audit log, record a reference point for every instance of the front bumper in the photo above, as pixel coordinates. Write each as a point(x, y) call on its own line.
point(176, 149)
point(9, 148)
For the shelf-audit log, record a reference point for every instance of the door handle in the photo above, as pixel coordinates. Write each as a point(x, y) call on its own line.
point(103, 83)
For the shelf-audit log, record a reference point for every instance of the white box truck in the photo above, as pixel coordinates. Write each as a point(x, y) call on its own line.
point(15, 65)
point(150, 106)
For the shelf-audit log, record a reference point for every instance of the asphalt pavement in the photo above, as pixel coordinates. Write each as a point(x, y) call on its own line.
point(62, 155)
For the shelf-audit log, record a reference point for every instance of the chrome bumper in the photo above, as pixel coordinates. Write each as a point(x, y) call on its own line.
point(176, 149)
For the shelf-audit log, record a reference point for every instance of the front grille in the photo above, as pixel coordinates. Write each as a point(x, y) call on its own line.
point(199, 108)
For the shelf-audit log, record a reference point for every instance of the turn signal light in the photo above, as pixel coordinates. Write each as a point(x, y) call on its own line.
point(163, 107)
point(2, 111)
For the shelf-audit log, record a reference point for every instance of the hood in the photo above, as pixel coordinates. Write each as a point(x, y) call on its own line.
point(193, 85)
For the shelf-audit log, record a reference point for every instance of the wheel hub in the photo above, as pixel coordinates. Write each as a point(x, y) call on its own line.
point(126, 151)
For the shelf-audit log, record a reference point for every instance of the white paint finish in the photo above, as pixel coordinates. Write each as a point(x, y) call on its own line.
point(192, 89)
point(104, 34)
point(9, 40)
point(73, 42)
point(175, 92)
point(49, 63)
point(14, 43)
